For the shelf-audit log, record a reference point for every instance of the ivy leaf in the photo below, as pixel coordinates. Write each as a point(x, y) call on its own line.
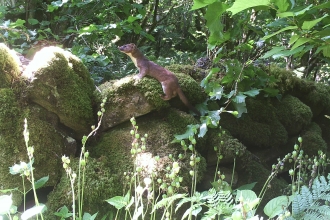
point(241, 5)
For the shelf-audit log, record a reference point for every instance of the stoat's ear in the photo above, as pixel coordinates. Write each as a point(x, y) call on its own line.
point(133, 45)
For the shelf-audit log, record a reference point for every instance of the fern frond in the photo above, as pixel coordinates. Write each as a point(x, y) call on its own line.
point(309, 203)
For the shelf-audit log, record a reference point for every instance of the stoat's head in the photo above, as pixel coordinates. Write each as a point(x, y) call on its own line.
point(127, 48)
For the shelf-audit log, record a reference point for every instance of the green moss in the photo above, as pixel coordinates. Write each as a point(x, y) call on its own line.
point(293, 114)
point(101, 183)
point(196, 73)
point(115, 146)
point(8, 111)
point(290, 84)
point(62, 85)
point(313, 141)
point(230, 148)
point(252, 134)
point(47, 143)
point(151, 89)
point(318, 99)
point(9, 68)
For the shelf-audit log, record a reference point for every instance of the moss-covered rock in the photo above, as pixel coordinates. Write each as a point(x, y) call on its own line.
point(260, 127)
point(127, 97)
point(293, 114)
point(9, 66)
point(46, 140)
point(101, 183)
point(313, 141)
point(61, 84)
point(289, 83)
point(115, 146)
point(318, 99)
point(196, 73)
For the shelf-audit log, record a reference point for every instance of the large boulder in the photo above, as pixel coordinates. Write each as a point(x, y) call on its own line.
point(127, 97)
point(60, 83)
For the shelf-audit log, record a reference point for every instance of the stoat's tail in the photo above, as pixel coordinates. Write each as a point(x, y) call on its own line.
point(186, 102)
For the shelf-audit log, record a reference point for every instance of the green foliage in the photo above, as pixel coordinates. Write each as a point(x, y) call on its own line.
point(309, 203)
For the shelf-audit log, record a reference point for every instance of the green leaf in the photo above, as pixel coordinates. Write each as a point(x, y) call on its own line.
point(275, 206)
point(307, 25)
point(326, 50)
point(286, 53)
point(201, 3)
point(240, 5)
point(7, 190)
point(33, 21)
point(248, 195)
point(191, 131)
point(202, 130)
point(294, 13)
point(216, 93)
point(41, 182)
point(118, 202)
point(131, 19)
point(252, 93)
point(273, 51)
point(300, 42)
point(282, 5)
point(247, 186)
point(293, 39)
point(33, 211)
point(64, 212)
point(239, 98)
point(88, 216)
point(240, 108)
point(17, 23)
point(277, 32)
point(212, 16)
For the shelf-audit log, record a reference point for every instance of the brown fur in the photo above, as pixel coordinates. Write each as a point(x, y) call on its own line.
point(168, 80)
